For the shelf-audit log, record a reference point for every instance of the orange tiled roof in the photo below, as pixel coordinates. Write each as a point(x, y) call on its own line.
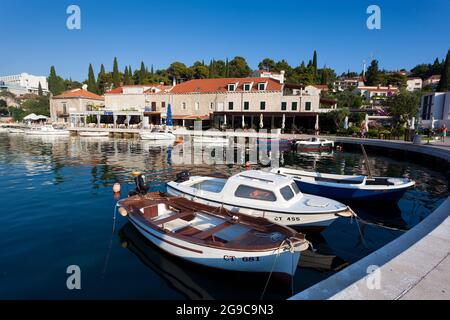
point(221, 85)
point(78, 93)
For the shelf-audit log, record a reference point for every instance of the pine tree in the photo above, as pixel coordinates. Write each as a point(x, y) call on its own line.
point(91, 83)
point(373, 74)
point(116, 75)
point(40, 92)
point(444, 82)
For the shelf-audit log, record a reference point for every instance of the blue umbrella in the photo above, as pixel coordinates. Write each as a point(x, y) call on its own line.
point(169, 116)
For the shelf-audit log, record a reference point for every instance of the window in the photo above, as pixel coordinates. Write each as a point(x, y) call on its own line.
point(283, 106)
point(294, 106)
point(64, 105)
point(153, 105)
point(211, 106)
point(262, 105)
point(262, 86)
point(230, 105)
point(231, 87)
point(163, 104)
point(246, 105)
point(247, 87)
point(183, 105)
point(197, 106)
point(287, 193)
point(295, 188)
point(254, 193)
point(308, 106)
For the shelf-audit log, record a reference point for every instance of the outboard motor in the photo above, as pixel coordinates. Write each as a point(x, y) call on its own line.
point(182, 176)
point(141, 184)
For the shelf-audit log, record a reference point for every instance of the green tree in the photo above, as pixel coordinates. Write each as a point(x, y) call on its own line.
point(314, 64)
point(238, 68)
point(40, 92)
point(403, 106)
point(142, 74)
point(373, 76)
point(116, 74)
point(178, 71)
point(444, 82)
point(91, 82)
point(267, 64)
point(338, 116)
point(55, 82)
point(396, 79)
point(200, 71)
point(104, 80)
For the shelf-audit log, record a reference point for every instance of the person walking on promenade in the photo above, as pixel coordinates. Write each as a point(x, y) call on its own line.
point(444, 131)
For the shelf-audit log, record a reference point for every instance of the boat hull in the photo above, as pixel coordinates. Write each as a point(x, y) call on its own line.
point(276, 261)
point(47, 133)
point(157, 136)
point(352, 194)
point(316, 220)
point(94, 134)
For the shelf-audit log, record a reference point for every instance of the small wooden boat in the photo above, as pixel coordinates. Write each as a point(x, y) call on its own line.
point(314, 143)
point(157, 135)
point(348, 187)
point(214, 237)
point(96, 134)
point(263, 194)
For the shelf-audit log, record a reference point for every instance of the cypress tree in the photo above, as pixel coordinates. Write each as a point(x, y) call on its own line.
point(151, 70)
point(444, 83)
point(92, 84)
point(314, 62)
point(142, 73)
point(373, 74)
point(227, 71)
point(40, 92)
point(116, 75)
point(55, 83)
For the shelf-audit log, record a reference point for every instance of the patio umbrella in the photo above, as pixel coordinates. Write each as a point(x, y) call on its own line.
point(283, 122)
point(346, 123)
point(169, 115)
point(317, 123)
point(243, 122)
point(224, 119)
point(261, 121)
point(432, 123)
point(31, 116)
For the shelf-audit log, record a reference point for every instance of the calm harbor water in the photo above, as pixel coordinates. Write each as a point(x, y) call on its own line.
point(57, 210)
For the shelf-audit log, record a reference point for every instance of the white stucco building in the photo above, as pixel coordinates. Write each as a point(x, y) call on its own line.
point(27, 82)
point(413, 84)
point(435, 106)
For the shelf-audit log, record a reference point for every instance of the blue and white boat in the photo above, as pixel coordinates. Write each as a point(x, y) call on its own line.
point(348, 187)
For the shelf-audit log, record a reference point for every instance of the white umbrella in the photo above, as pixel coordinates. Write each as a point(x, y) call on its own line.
point(283, 123)
point(31, 116)
point(224, 119)
point(317, 123)
point(346, 123)
point(243, 122)
point(366, 122)
point(261, 121)
point(432, 123)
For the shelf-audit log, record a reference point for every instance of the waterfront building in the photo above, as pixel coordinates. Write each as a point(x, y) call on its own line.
point(75, 106)
point(23, 83)
point(435, 106)
point(432, 81)
point(347, 83)
point(414, 84)
point(374, 94)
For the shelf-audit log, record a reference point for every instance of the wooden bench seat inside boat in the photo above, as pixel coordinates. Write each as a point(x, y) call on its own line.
point(181, 215)
point(209, 232)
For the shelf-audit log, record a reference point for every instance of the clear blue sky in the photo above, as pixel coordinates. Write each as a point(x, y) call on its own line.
point(34, 34)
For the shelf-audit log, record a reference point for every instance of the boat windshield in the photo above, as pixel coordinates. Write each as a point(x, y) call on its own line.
point(210, 185)
point(248, 192)
point(287, 193)
point(295, 188)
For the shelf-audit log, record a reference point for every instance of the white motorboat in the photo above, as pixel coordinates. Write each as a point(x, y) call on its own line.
point(272, 196)
point(214, 237)
point(349, 187)
point(210, 140)
point(314, 143)
point(93, 134)
point(16, 130)
point(157, 135)
point(47, 130)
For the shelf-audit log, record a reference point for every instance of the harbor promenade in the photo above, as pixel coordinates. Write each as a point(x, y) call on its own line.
point(414, 266)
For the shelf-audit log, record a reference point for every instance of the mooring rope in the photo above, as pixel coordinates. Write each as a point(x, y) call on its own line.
point(105, 266)
point(273, 267)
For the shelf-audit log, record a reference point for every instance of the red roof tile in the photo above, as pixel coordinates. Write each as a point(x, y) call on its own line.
point(221, 85)
point(78, 93)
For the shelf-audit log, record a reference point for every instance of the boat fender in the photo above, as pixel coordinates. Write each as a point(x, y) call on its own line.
point(123, 212)
point(182, 176)
point(116, 188)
